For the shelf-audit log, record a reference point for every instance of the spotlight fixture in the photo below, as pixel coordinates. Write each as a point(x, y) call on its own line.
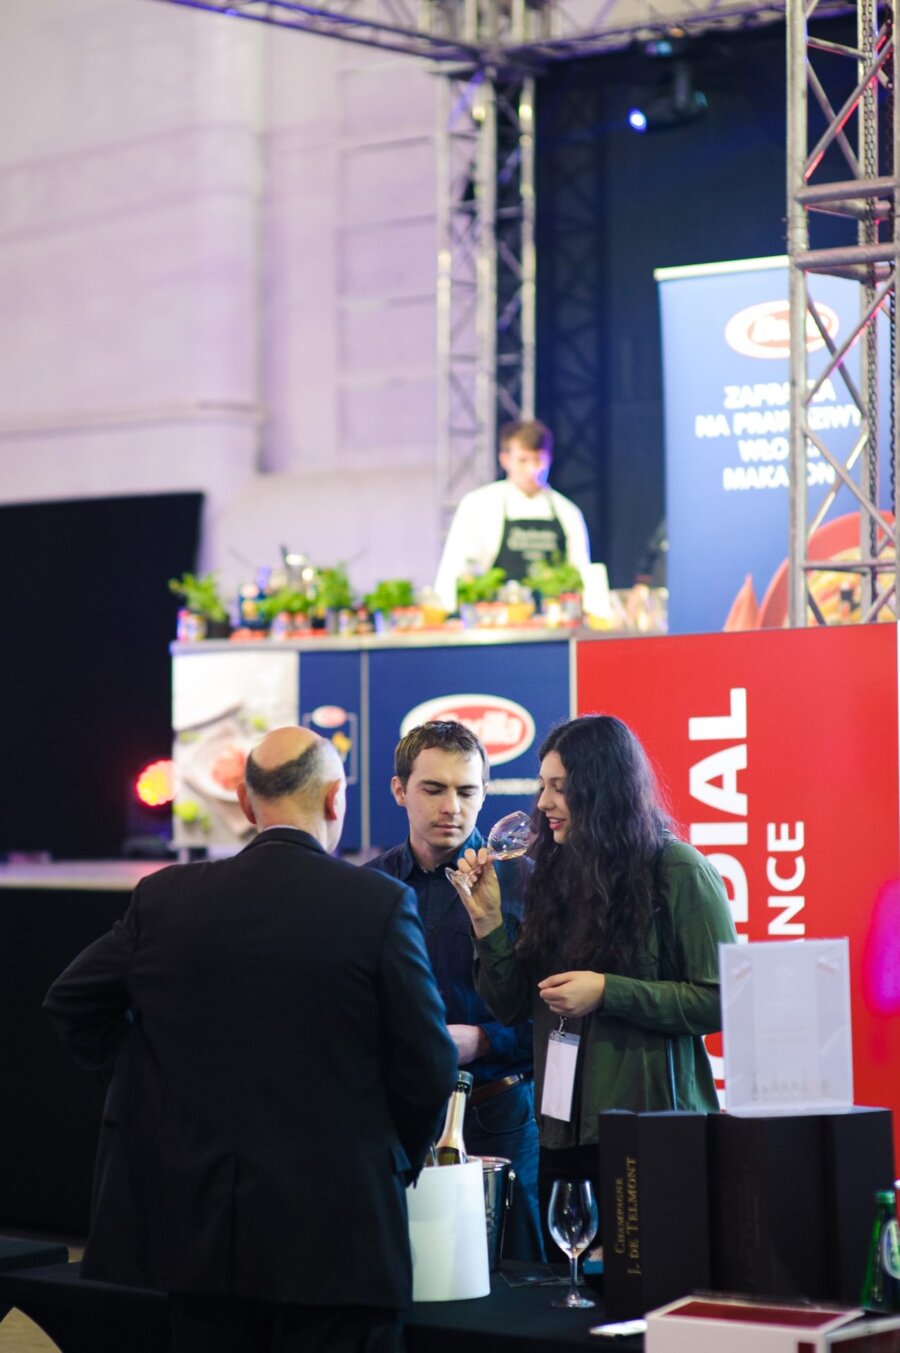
point(149, 813)
point(155, 786)
point(675, 102)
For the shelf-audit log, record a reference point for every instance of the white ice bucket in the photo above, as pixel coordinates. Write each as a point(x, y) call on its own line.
point(448, 1233)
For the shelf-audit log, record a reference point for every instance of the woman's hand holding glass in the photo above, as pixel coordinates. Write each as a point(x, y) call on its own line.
point(573, 994)
point(474, 878)
point(478, 888)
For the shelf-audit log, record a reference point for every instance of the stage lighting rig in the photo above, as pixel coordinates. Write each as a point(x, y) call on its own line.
point(674, 101)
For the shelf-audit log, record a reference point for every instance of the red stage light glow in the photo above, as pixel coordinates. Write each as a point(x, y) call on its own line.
point(881, 959)
point(155, 785)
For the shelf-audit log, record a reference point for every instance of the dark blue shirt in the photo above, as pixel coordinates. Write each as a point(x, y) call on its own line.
point(448, 939)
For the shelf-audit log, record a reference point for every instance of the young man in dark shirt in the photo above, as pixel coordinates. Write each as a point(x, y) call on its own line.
point(441, 772)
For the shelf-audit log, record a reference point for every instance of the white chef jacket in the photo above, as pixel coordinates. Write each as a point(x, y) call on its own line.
point(473, 541)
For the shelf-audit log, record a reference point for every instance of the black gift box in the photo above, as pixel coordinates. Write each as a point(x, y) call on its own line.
point(654, 1209)
point(792, 1200)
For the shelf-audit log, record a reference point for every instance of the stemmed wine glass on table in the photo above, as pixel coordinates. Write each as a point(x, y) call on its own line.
point(507, 840)
point(573, 1223)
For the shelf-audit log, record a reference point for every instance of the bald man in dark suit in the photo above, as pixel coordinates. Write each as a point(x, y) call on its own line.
point(277, 1067)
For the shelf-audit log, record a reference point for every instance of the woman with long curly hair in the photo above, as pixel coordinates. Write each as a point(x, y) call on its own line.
point(618, 945)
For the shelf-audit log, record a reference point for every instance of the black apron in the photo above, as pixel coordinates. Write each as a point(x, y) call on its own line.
point(529, 540)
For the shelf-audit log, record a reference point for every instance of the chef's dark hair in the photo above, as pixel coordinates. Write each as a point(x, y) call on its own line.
point(534, 435)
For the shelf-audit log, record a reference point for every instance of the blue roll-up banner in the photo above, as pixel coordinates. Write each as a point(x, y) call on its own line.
point(725, 331)
point(509, 694)
point(331, 705)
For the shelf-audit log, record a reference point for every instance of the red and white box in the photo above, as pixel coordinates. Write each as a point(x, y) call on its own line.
point(711, 1324)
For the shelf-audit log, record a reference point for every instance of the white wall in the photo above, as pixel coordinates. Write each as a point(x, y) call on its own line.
point(217, 252)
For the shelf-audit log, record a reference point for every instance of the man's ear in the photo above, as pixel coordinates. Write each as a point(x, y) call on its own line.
point(244, 800)
point(398, 789)
point(333, 800)
point(503, 457)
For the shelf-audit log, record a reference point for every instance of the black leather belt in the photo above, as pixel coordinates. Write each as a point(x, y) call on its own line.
point(491, 1088)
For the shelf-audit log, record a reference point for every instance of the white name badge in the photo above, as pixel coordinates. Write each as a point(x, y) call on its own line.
point(559, 1075)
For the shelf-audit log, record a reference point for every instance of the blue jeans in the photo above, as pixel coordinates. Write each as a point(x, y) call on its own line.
point(505, 1126)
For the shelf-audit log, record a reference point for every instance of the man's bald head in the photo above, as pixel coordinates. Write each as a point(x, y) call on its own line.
point(290, 761)
point(291, 779)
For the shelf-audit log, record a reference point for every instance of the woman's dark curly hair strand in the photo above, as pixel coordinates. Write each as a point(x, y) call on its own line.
point(590, 900)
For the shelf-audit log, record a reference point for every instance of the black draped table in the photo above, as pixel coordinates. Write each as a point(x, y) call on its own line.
point(52, 1110)
point(88, 1317)
point(520, 1318)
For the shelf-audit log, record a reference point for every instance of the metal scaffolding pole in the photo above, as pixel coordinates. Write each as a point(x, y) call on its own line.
point(531, 34)
point(486, 272)
point(465, 241)
point(849, 171)
point(516, 260)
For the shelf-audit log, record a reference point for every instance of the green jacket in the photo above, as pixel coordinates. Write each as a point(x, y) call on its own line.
point(622, 1060)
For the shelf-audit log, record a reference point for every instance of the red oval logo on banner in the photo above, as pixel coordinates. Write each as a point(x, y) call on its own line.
point(505, 728)
point(329, 716)
point(764, 330)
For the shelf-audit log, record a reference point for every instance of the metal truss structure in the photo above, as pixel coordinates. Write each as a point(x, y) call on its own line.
point(525, 34)
point(490, 51)
point(486, 272)
point(848, 171)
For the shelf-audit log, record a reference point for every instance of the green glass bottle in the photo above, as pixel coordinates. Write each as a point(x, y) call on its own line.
point(881, 1289)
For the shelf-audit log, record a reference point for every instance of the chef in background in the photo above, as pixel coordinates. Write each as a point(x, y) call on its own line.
point(515, 521)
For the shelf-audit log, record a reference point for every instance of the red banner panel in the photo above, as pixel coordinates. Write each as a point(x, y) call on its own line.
point(778, 750)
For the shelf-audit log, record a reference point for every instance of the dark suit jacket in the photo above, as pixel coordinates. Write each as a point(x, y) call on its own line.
point(277, 1063)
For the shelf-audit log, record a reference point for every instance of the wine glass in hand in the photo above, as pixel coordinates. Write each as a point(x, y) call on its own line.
point(573, 1222)
point(507, 840)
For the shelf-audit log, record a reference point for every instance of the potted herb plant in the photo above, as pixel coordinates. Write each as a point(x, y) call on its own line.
point(332, 594)
point(480, 587)
point(559, 585)
point(477, 594)
point(554, 578)
point(388, 596)
point(281, 610)
point(202, 599)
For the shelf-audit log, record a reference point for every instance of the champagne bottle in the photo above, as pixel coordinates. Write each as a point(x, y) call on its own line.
point(881, 1289)
point(450, 1147)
